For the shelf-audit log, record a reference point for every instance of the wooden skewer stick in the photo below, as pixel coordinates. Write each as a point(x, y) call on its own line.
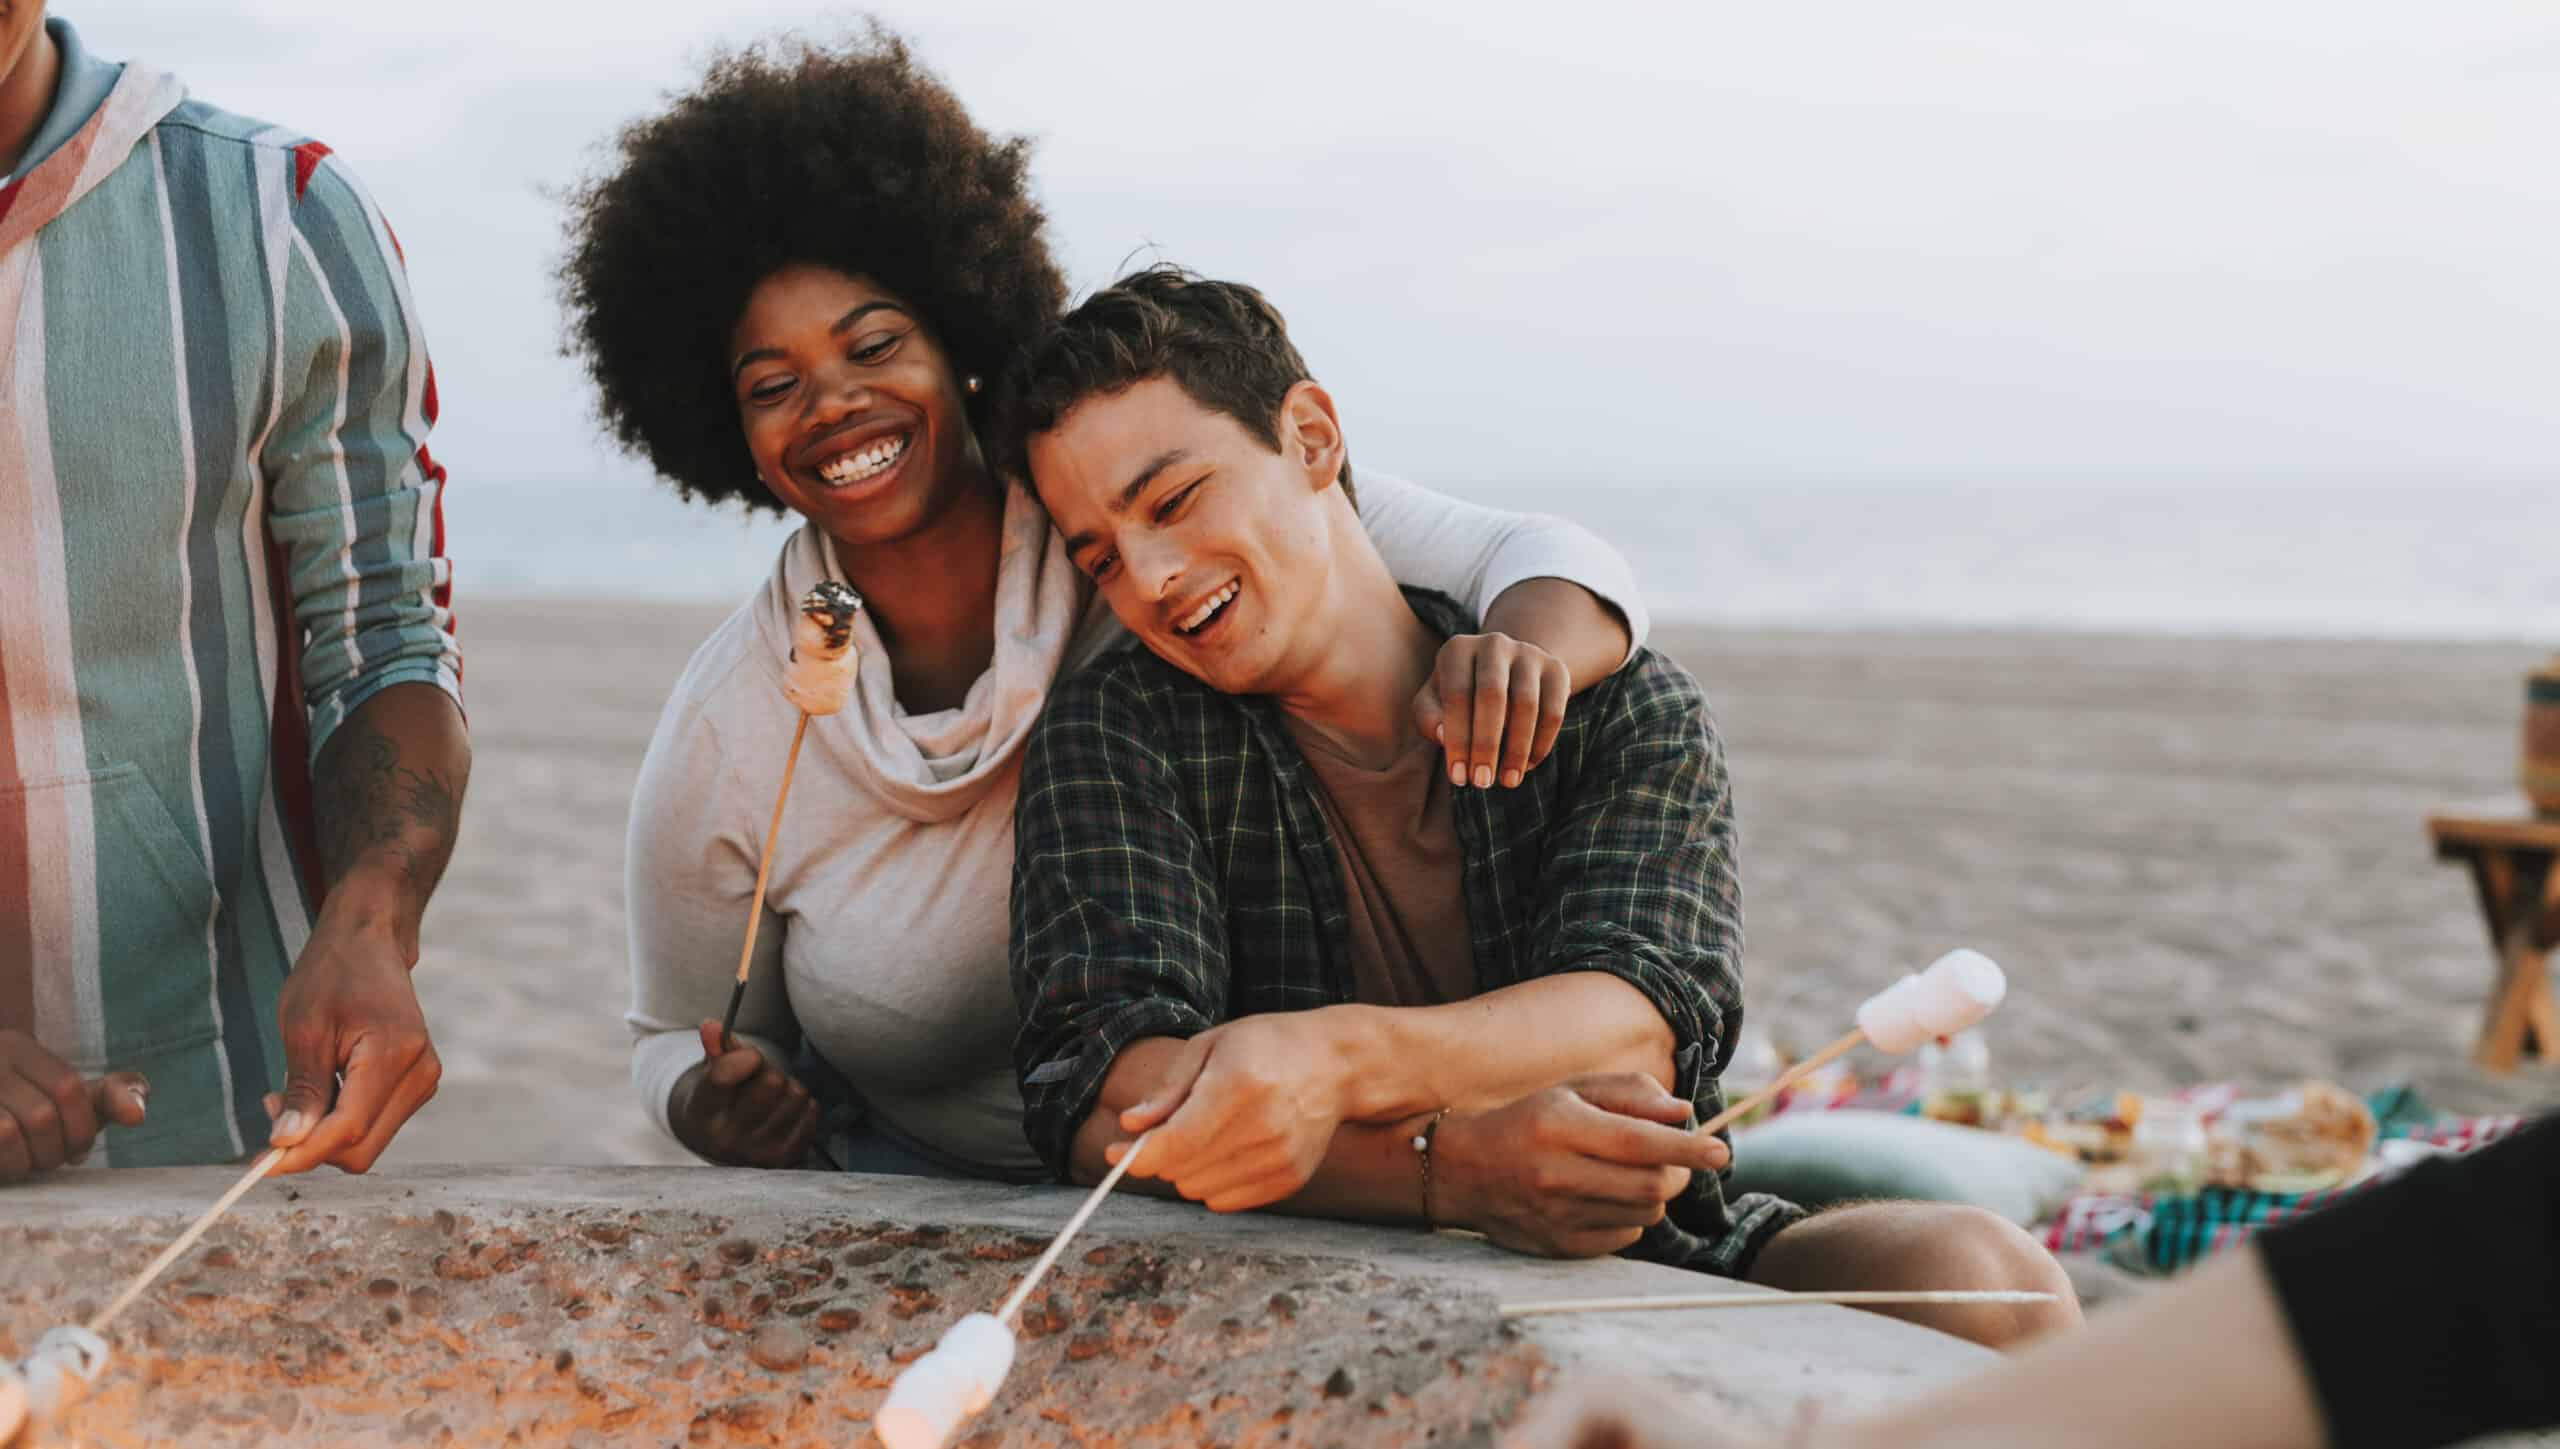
point(170, 1254)
point(764, 869)
point(1786, 1079)
point(1768, 1300)
point(1013, 1305)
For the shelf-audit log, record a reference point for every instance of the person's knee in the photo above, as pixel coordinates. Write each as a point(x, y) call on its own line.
point(1982, 1250)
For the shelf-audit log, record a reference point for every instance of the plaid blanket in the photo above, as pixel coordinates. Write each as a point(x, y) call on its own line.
point(2148, 1233)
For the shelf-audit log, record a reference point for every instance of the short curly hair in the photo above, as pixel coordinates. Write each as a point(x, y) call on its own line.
point(852, 157)
point(1222, 343)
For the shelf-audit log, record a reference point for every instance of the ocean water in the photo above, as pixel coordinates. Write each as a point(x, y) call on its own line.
point(2419, 562)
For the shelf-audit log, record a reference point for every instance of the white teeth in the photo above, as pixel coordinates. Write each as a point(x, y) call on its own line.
point(1208, 608)
point(853, 467)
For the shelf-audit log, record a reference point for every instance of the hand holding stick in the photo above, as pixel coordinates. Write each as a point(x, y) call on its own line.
point(818, 681)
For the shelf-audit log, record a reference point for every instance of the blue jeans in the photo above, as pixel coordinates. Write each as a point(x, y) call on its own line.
point(854, 1138)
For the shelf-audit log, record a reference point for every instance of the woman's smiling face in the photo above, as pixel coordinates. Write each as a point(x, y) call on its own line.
point(852, 413)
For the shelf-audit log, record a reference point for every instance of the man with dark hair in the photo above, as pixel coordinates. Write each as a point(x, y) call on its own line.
point(1250, 915)
point(231, 757)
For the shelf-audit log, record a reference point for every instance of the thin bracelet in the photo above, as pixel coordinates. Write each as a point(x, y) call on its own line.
point(1422, 1152)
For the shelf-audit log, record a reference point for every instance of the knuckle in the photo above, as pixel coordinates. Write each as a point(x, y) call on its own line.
point(41, 1118)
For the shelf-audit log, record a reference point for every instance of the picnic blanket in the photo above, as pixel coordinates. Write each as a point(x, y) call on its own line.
point(2160, 1234)
point(2155, 1233)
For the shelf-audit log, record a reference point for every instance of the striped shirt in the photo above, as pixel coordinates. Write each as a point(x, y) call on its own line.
point(220, 533)
point(1172, 870)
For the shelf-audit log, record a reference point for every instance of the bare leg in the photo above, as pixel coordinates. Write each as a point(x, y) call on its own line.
point(1913, 1245)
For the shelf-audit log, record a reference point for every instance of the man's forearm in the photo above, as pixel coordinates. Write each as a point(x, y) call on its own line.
point(1568, 621)
point(389, 789)
point(1481, 1053)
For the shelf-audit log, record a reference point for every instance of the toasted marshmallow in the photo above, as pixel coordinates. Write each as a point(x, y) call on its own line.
point(820, 677)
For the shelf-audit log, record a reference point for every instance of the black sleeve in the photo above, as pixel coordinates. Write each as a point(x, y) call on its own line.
point(2427, 1310)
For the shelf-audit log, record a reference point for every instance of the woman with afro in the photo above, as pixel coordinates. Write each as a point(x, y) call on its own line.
point(788, 288)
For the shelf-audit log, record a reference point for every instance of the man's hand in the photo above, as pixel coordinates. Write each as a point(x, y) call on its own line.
point(1247, 1110)
point(740, 1110)
point(1574, 1171)
point(357, 1060)
point(49, 1117)
point(1494, 704)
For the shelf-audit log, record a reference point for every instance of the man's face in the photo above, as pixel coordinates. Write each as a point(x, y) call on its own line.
point(1211, 547)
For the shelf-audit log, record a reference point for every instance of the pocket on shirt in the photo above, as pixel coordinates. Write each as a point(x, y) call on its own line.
point(155, 903)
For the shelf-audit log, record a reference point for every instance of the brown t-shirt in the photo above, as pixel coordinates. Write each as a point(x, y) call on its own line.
point(1403, 873)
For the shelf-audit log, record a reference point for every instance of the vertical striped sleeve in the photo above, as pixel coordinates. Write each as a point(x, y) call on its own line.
point(356, 502)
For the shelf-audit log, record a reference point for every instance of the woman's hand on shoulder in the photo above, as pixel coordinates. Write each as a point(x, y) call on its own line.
point(738, 1109)
point(1494, 704)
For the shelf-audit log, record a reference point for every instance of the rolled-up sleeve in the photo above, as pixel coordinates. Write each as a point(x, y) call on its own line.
point(355, 502)
point(1640, 879)
point(1117, 928)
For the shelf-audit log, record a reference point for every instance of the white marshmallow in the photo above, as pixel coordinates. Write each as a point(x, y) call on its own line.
point(67, 1360)
point(1958, 990)
point(925, 1403)
point(820, 677)
point(1888, 1018)
point(13, 1402)
point(981, 1350)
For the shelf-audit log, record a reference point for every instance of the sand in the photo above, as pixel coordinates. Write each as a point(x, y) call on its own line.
point(2198, 859)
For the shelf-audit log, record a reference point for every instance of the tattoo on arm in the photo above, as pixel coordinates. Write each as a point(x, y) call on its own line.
point(374, 806)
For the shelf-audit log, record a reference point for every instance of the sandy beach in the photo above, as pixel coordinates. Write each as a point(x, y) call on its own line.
point(2198, 859)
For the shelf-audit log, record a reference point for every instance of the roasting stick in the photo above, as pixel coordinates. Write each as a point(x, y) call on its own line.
point(817, 681)
point(1788, 1078)
point(1958, 990)
point(961, 1374)
point(764, 871)
point(1860, 1297)
point(172, 1253)
point(67, 1360)
point(1092, 1200)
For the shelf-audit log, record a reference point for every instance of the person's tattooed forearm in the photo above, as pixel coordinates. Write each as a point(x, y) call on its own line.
point(374, 806)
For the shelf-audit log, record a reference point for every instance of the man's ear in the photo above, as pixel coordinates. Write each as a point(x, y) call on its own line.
point(1311, 435)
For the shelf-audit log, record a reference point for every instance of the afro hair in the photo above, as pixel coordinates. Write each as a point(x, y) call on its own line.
point(854, 158)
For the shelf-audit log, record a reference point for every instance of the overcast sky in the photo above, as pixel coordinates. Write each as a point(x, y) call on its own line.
point(2290, 241)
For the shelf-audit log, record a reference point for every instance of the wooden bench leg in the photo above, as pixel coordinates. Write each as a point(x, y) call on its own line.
point(2522, 1014)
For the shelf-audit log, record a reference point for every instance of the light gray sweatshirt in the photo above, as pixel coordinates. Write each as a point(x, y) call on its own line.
point(883, 935)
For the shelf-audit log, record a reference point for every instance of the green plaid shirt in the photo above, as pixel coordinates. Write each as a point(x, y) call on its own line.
point(1172, 871)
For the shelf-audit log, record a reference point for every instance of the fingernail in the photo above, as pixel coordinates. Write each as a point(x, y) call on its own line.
point(1484, 777)
point(1458, 775)
point(1511, 779)
point(293, 1123)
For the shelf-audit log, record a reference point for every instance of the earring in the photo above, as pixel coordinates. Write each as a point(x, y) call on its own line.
point(971, 385)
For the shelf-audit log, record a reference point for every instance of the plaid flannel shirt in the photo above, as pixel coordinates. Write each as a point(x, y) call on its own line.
point(1172, 871)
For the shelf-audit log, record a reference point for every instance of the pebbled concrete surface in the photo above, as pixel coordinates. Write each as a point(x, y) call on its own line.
point(596, 1306)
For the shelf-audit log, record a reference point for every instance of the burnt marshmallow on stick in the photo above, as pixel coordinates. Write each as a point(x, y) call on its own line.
point(818, 680)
